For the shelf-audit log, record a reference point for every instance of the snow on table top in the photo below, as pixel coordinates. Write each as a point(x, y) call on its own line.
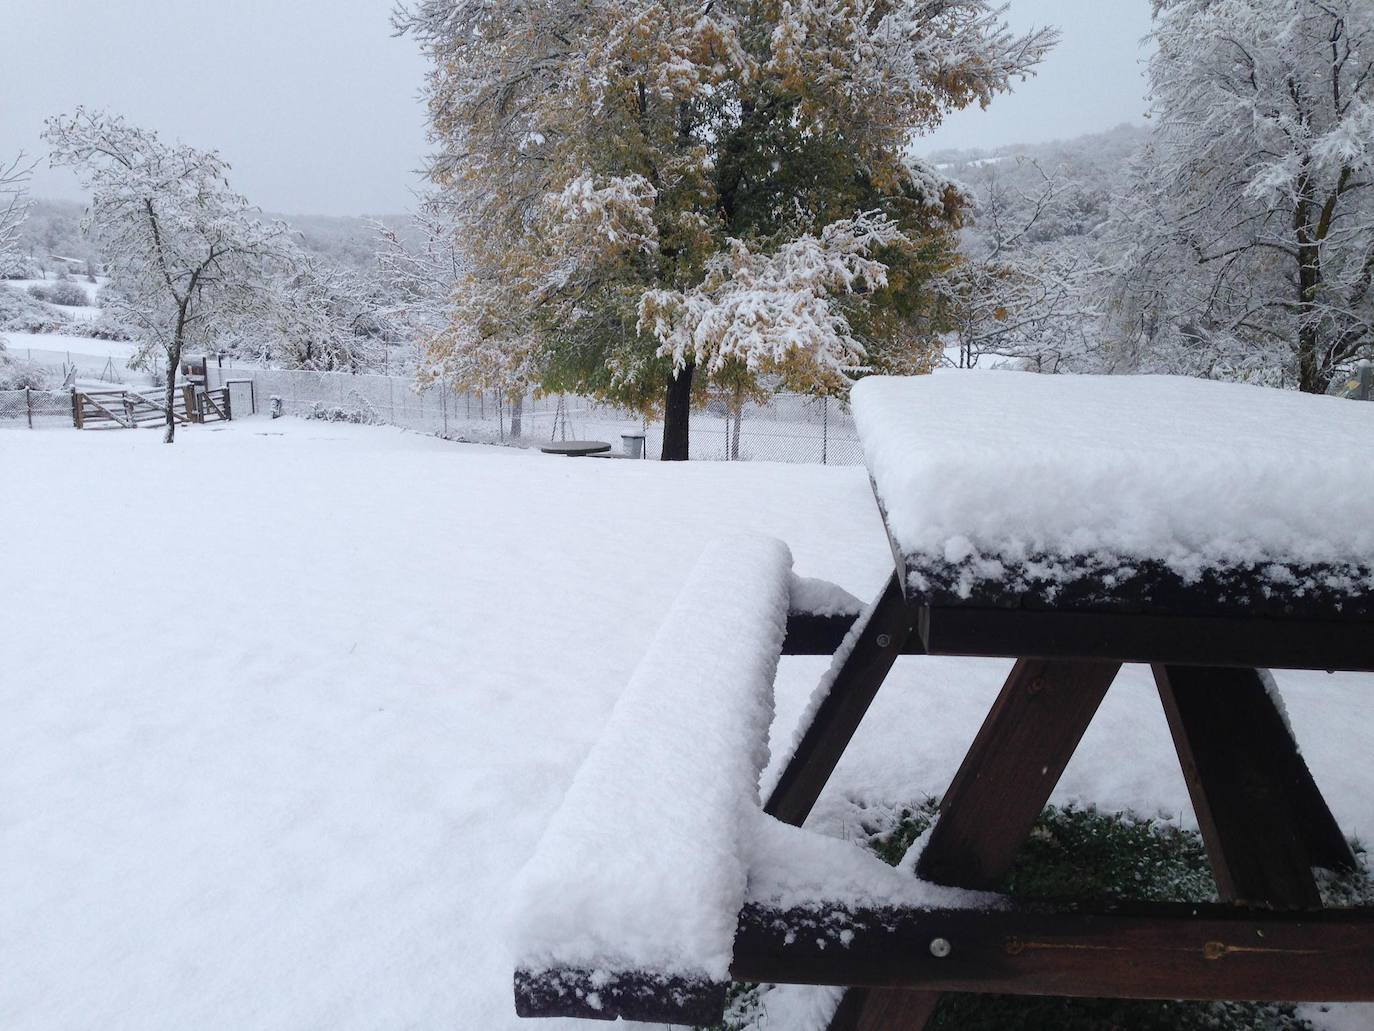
point(643, 867)
point(1054, 475)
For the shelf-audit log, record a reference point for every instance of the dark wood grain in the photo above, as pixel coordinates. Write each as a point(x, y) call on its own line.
point(1262, 817)
point(837, 718)
point(1196, 641)
point(1276, 589)
point(1161, 951)
point(1010, 770)
point(1000, 789)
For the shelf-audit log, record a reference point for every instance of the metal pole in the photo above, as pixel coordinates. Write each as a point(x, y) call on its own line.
point(28, 406)
point(825, 430)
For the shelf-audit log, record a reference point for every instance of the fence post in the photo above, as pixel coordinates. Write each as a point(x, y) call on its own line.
point(76, 409)
point(1366, 388)
point(825, 429)
point(28, 406)
point(443, 390)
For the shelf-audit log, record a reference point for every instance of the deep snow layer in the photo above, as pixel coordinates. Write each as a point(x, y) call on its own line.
point(288, 705)
point(645, 864)
point(1051, 474)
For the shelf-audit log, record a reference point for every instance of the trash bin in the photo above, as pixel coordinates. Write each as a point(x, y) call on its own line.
point(632, 445)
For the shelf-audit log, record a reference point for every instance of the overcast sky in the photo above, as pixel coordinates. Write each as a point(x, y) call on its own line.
point(316, 105)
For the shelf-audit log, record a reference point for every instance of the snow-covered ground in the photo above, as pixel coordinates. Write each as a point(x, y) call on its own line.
point(288, 704)
point(96, 361)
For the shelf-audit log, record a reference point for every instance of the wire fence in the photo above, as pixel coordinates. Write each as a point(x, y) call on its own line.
point(35, 408)
point(790, 428)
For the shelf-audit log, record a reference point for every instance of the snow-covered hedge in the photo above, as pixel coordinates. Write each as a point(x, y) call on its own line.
point(63, 292)
point(363, 414)
point(21, 313)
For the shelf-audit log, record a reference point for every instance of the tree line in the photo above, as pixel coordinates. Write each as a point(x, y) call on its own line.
point(646, 202)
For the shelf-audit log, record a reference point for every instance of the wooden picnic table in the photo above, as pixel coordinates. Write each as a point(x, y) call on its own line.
point(1056, 568)
point(1207, 638)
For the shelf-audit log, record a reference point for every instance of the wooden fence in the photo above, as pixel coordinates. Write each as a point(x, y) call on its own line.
point(127, 409)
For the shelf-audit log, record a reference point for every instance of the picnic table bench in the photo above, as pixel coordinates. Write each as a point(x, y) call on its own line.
point(1072, 524)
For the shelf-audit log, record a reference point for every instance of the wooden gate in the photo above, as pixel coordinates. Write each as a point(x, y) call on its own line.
point(128, 409)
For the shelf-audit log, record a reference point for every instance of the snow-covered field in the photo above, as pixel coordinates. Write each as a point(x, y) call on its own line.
point(96, 361)
point(288, 704)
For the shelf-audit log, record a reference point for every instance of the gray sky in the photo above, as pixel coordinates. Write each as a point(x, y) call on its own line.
point(316, 105)
point(1094, 79)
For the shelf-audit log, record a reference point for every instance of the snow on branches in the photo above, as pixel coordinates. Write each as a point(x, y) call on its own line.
point(691, 168)
point(186, 254)
point(617, 215)
point(1260, 181)
point(909, 62)
point(766, 310)
point(14, 208)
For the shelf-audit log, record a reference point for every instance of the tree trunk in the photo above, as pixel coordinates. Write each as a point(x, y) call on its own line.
point(517, 409)
point(676, 415)
point(173, 364)
point(1310, 377)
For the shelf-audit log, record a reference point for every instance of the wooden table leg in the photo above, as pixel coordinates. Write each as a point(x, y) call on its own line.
point(856, 682)
point(993, 802)
point(1262, 817)
point(878, 1009)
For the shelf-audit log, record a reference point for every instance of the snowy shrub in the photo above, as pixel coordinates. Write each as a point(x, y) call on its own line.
point(16, 375)
point(104, 327)
point(361, 415)
point(22, 268)
point(20, 313)
point(64, 292)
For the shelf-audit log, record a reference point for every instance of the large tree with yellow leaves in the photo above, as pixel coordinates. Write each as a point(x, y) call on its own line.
point(657, 193)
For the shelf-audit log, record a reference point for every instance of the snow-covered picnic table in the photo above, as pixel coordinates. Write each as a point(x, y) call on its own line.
point(1074, 524)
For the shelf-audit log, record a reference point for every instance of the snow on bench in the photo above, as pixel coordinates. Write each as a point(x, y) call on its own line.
point(660, 856)
point(1130, 493)
point(642, 871)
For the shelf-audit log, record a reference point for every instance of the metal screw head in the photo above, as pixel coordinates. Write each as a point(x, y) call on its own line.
point(939, 948)
point(884, 640)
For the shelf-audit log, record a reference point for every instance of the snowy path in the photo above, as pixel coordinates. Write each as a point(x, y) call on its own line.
point(300, 804)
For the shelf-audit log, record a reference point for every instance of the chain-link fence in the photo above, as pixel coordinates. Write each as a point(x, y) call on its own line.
point(790, 428)
point(35, 408)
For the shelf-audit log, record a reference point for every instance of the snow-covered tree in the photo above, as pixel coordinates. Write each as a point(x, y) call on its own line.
point(1251, 233)
point(14, 207)
point(1027, 287)
point(418, 280)
point(614, 165)
point(311, 314)
point(14, 179)
point(761, 310)
point(189, 257)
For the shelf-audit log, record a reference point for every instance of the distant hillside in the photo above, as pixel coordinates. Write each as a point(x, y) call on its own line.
point(1112, 148)
point(53, 228)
